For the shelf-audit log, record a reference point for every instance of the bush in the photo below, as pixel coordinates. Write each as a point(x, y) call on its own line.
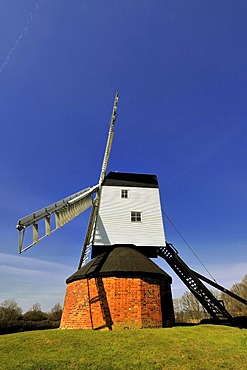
point(241, 322)
point(34, 316)
point(22, 325)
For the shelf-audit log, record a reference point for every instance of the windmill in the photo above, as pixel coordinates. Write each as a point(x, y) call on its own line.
point(125, 230)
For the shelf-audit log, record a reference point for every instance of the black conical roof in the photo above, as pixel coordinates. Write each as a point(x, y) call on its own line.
point(120, 261)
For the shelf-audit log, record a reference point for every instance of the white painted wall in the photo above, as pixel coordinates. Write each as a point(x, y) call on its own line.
point(114, 224)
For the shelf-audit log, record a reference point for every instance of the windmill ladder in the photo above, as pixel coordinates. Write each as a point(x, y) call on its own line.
point(212, 305)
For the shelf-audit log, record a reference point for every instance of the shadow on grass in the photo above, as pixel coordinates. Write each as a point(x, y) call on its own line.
point(239, 322)
point(186, 324)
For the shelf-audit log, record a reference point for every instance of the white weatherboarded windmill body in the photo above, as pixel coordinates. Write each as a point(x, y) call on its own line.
point(121, 285)
point(129, 211)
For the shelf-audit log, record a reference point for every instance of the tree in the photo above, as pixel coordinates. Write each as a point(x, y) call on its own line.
point(235, 307)
point(192, 308)
point(35, 313)
point(189, 309)
point(56, 312)
point(178, 310)
point(35, 307)
point(9, 310)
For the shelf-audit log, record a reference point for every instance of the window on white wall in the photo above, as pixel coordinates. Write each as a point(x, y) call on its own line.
point(136, 216)
point(124, 193)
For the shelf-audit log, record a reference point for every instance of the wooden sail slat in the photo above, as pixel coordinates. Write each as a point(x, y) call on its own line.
point(63, 213)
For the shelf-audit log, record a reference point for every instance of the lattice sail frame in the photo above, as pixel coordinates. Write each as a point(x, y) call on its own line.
point(68, 208)
point(64, 211)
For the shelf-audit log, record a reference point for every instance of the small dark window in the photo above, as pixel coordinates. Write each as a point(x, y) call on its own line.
point(136, 216)
point(124, 193)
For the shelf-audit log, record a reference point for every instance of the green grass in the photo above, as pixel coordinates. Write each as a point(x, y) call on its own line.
point(196, 347)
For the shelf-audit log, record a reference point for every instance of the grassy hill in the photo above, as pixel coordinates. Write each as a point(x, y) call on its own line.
point(196, 347)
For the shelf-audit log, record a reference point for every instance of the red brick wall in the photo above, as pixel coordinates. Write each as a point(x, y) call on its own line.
point(112, 302)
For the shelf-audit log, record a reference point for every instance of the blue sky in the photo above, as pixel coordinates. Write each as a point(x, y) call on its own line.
point(181, 71)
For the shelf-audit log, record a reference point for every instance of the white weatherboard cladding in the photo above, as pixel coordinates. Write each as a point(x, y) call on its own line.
point(114, 224)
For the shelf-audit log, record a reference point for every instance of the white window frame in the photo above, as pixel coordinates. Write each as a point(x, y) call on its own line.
point(124, 193)
point(136, 216)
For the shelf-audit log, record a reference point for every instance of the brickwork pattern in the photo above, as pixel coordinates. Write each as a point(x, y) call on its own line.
point(113, 303)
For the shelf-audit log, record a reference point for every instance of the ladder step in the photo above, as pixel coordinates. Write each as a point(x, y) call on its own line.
point(201, 292)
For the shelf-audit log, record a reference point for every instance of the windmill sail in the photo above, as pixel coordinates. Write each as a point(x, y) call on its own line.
point(68, 208)
point(94, 212)
point(64, 211)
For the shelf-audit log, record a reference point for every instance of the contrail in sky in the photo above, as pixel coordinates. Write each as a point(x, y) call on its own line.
point(38, 5)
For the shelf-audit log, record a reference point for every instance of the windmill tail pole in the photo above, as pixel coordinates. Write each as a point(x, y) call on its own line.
point(109, 140)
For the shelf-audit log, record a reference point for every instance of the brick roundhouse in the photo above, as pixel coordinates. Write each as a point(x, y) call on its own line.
point(120, 288)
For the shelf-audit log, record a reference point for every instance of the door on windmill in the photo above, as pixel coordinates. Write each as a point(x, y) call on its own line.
point(129, 211)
